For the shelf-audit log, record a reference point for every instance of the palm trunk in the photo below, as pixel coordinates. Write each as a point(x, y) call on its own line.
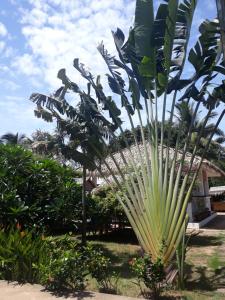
point(84, 214)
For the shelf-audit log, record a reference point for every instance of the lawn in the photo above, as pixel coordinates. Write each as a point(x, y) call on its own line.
point(205, 266)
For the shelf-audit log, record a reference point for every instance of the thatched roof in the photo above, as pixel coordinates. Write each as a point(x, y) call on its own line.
point(212, 169)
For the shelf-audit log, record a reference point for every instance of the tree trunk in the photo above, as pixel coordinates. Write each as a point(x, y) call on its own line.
point(221, 16)
point(84, 214)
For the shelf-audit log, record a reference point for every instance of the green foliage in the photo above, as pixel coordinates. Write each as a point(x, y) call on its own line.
point(19, 252)
point(65, 267)
point(99, 268)
point(57, 263)
point(69, 263)
point(180, 127)
point(181, 253)
point(36, 192)
point(104, 209)
point(151, 273)
point(214, 262)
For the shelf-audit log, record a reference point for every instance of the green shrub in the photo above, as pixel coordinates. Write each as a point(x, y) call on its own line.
point(66, 267)
point(105, 209)
point(37, 192)
point(151, 273)
point(19, 252)
point(57, 263)
point(99, 268)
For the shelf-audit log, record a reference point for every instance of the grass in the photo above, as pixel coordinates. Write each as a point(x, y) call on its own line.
point(205, 266)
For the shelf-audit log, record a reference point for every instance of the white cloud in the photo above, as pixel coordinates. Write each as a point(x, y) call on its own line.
point(22, 114)
point(26, 65)
point(3, 30)
point(9, 52)
point(14, 98)
point(4, 68)
point(10, 85)
point(36, 17)
point(58, 31)
point(2, 46)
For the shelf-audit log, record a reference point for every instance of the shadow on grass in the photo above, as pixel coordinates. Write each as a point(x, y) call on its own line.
point(204, 241)
point(122, 236)
point(203, 279)
point(119, 262)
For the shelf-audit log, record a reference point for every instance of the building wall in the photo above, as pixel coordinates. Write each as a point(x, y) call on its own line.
point(200, 196)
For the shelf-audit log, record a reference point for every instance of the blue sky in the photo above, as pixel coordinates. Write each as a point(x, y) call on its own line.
point(38, 37)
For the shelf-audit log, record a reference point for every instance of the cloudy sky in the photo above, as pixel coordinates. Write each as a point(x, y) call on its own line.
point(38, 37)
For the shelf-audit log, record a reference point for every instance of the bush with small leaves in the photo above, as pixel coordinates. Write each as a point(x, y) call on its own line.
point(37, 192)
point(150, 273)
point(99, 267)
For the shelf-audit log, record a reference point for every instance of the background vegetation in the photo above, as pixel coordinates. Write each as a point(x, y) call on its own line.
point(36, 191)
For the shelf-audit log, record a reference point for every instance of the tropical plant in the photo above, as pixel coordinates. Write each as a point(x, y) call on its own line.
point(19, 251)
point(55, 262)
point(85, 127)
point(14, 139)
point(37, 192)
point(66, 265)
point(80, 135)
point(185, 114)
point(181, 253)
point(152, 274)
point(156, 182)
point(105, 209)
point(44, 143)
point(99, 268)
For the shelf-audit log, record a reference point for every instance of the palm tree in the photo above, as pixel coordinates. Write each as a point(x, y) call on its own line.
point(185, 115)
point(14, 139)
point(44, 143)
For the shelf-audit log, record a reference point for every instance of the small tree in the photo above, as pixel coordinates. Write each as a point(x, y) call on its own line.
point(87, 130)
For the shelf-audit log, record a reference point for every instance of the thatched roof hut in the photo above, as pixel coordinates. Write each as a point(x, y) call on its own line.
point(136, 154)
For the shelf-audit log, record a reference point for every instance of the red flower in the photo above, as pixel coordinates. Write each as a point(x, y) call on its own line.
point(18, 226)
